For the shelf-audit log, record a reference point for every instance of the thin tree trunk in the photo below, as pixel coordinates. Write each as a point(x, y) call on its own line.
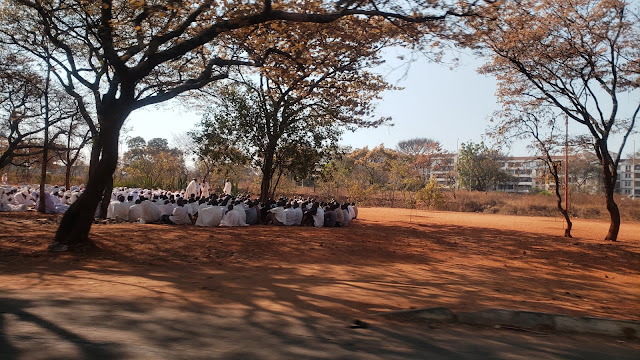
point(614, 212)
point(45, 149)
point(563, 211)
point(267, 175)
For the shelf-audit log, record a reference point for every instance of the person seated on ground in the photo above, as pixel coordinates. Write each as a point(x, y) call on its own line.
point(166, 208)
point(339, 214)
point(314, 216)
point(355, 210)
point(209, 216)
point(290, 214)
point(150, 211)
point(318, 218)
point(330, 217)
point(239, 207)
point(232, 218)
point(347, 215)
point(352, 212)
point(135, 211)
point(180, 215)
point(252, 213)
point(298, 213)
point(23, 198)
point(276, 215)
point(118, 210)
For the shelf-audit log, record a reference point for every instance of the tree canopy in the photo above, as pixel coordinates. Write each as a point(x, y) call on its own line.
point(579, 57)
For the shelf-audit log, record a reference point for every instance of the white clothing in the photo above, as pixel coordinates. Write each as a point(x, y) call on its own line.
point(227, 188)
point(352, 212)
point(180, 216)
point(209, 216)
point(166, 209)
point(150, 211)
point(290, 214)
point(278, 212)
point(347, 217)
point(135, 212)
point(339, 216)
point(299, 215)
point(205, 190)
point(118, 210)
point(192, 188)
point(232, 218)
point(241, 210)
point(192, 208)
point(318, 218)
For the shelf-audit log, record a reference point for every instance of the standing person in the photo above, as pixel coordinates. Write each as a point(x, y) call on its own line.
point(192, 188)
point(227, 187)
point(205, 190)
point(5, 178)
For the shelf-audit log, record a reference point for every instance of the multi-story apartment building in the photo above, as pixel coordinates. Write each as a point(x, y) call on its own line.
point(531, 173)
point(628, 182)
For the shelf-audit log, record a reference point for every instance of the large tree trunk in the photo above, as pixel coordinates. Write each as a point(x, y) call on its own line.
point(76, 223)
point(267, 175)
point(106, 198)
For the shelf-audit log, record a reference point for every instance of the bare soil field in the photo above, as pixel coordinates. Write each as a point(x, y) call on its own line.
point(387, 259)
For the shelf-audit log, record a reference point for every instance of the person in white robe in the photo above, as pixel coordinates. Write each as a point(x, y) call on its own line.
point(290, 214)
point(5, 178)
point(276, 215)
point(352, 211)
point(204, 190)
point(227, 187)
point(167, 208)
point(339, 214)
point(135, 212)
point(180, 214)
point(241, 209)
point(318, 218)
point(209, 216)
point(232, 218)
point(150, 212)
point(23, 198)
point(192, 189)
point(118, 210)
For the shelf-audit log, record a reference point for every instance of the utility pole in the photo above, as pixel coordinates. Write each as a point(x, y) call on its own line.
point(566, 162)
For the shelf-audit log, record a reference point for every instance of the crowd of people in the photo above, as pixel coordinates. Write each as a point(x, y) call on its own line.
point(192, 206)
point(24, 198)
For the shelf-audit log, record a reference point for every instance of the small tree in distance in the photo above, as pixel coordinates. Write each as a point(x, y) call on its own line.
point(479, 168)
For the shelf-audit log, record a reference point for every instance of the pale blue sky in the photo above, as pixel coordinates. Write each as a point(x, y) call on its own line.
point(450, 105)
point(447, 105)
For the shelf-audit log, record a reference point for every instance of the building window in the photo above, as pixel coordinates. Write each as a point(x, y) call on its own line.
point(627, 168)
point(627, 176)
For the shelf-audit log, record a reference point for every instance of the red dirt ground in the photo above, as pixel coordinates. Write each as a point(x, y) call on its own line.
point(387, 259)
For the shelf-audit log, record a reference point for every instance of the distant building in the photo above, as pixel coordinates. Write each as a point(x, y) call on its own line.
point(628, 182)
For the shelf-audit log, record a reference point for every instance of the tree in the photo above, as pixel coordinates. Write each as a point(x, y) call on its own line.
point(73, 139)
point(542, 128)
point(580, 57)
point(22, 125)
point(292, 117)
point(119, 56)
point(479, 167)
point(240, 130)
point(152, 164)
point(424, 152)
